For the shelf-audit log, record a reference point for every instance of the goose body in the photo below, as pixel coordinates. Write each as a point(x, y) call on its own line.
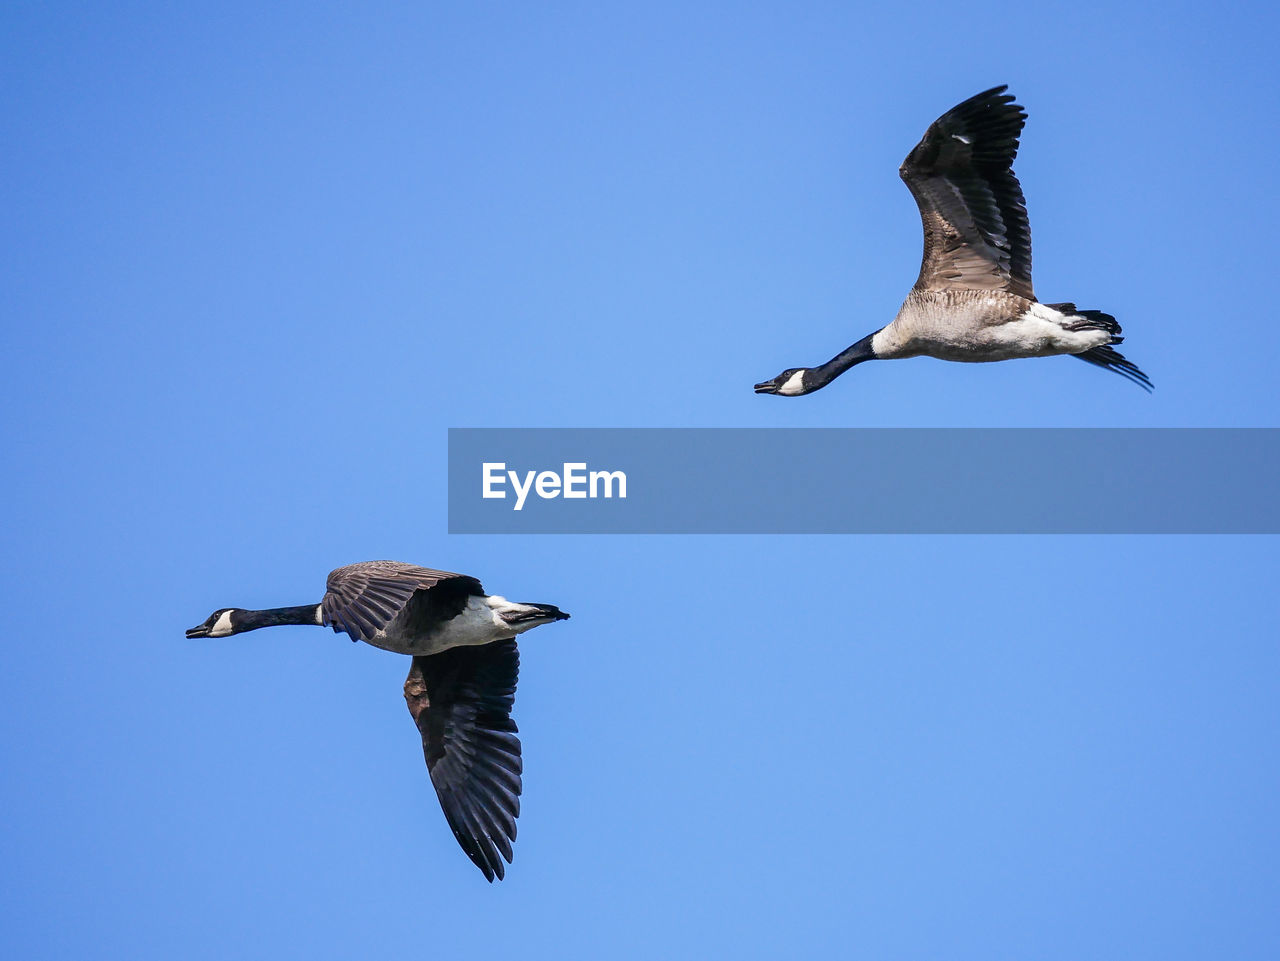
point(973, 300)
point(978, 326)
point(461, 683)
point(481, 621)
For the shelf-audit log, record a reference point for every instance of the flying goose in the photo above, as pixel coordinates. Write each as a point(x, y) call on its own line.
point(460, 688)
point(973, 300)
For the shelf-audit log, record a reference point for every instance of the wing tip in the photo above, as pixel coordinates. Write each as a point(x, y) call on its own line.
point(483, 850)
point(995, 111)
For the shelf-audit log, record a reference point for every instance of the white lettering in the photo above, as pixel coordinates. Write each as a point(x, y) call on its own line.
point(575, 482)
point(491, 478)
point(609, 477)
point(548, 485)
point(570, 478)
point(521, 492)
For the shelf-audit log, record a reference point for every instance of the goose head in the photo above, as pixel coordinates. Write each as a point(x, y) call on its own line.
point(792, 382)
point(221, 623)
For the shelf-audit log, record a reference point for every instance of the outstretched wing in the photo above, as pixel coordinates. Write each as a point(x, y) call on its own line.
point(362, 599)
point(461, 701)
point(976, 234)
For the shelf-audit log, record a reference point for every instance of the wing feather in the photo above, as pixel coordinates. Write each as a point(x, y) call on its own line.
point(362, 599)
point(461, 700)
point(976, 233)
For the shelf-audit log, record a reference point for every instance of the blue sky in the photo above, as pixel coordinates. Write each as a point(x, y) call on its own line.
point(259, 260)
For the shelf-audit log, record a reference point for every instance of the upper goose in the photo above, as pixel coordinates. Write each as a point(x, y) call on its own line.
point(460, 688)
point(973, 300)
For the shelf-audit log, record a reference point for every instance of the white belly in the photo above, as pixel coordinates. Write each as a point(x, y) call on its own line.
point(977, 333)
point(480, 622)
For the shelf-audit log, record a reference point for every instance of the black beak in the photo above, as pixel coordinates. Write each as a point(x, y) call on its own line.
point(201, 631)
point(549, 610)
point(768, 387)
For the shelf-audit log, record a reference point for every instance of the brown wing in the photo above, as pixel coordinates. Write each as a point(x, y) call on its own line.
point(362, 599)
point(461, 701)
point(976, 234)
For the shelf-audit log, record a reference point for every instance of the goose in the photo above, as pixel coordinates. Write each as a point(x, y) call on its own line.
point(461, 683)
point(973, 300)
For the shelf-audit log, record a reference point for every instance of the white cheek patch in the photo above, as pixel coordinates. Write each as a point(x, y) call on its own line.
point(793, 385)
point(223, 625)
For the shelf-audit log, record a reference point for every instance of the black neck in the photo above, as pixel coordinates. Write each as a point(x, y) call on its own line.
point(252, 620)
point(850, 356)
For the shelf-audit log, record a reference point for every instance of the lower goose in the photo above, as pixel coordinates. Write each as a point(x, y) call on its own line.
point(460, 688)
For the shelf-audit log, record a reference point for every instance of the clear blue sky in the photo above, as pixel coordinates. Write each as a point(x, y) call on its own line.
point(258, 259)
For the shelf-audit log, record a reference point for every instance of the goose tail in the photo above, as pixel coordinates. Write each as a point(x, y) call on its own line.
point(1106, 356)
point(1111, 359)
point(1089, 320)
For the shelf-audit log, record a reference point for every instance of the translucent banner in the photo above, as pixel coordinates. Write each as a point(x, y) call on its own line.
point(863, 481)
